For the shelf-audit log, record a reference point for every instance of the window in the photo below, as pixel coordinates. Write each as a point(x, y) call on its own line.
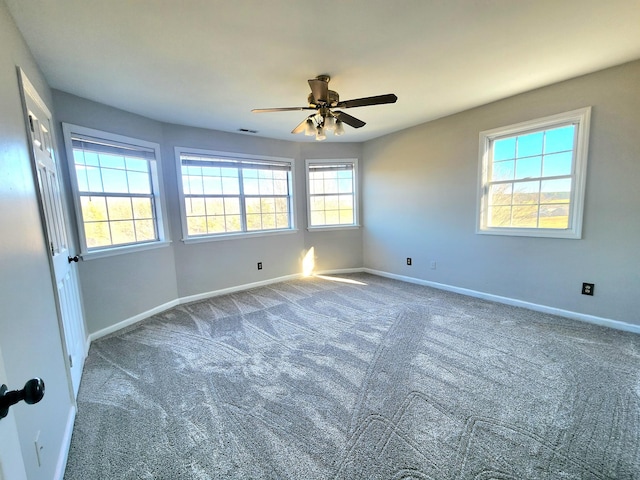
point(224, 194)
point(116, 188)
point(532, 176)
point(332, 193)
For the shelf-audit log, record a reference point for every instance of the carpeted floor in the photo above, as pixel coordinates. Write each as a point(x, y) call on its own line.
point(375, 379)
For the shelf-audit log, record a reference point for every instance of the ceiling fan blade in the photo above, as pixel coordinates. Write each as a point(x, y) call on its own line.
point(284, 109)
point(301, 126)
point(319, 89)
point(349, 120)
point(366, 101)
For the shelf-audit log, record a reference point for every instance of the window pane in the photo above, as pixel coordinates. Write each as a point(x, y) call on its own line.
point(216, 224)
point(111, 161)
point(114, 181)
point(195, 206)
point(556, 191)
point(119, 209)
point(137, 165)
point(122, 232)
point(282, 220)
point(214, 206)
point(529, 145)
point(252, 205)
point(94, 178)
point(267, 205)
point(331, 185)
point(230, 185)
point(251, 186)
point(145, 230)
point(503, 171)
point(524, 216)
point(196, 225)
point(346, 217)
point(529, 167)
point(139, 182)
point(317, 203)
point(499, 217)
point(282, 205)
point(526, 192)
point(233, 223)
point(254, 221)
point(97, 234)
point(559, 139)
point(317, 218)
point(266, 186)
point(332, 217)
point(211, 185)
point(94, 209)
point(232, 206)
point(557, 164)
point(81, 175)
point(280, 187)
point(504, 149)
point(345, 185)
point(142, 208)
point(268, 221)
point(554, 216)
point(500, 194)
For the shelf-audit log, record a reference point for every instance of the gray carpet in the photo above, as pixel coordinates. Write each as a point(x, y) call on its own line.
point(318, 379)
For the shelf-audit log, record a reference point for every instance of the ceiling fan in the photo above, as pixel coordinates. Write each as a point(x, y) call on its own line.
point(324, 101)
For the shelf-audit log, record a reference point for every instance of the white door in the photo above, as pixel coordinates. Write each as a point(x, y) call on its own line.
point(62, 259)
point(11, 463)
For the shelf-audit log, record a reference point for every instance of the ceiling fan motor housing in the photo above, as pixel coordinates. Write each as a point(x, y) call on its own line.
point(332, 98)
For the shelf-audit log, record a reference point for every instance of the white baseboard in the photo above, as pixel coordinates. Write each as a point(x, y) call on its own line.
point(65, 444)
point(246, 286)
point(130, 321)
point(182, 300)
point(605, 322)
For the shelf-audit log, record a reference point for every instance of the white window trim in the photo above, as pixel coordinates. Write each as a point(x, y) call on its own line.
point(157, 186)
point(356, 194)
point(231, 156)
point(581, 117)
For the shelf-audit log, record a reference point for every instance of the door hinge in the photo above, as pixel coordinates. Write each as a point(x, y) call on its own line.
point(70, 361)
point(53, 252)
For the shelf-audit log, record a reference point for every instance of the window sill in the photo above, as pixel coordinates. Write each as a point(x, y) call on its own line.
point(112, 251)
point(237, 236)
point(330, 228)
point(533, 232)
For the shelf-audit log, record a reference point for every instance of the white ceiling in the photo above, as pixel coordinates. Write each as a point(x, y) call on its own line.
point(207, 63)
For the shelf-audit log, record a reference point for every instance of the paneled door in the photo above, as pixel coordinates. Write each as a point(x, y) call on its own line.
point(63, 261)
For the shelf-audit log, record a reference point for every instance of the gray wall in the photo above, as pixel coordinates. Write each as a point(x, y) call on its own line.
point(420, 201)
point(29, 333)
point(120, 287)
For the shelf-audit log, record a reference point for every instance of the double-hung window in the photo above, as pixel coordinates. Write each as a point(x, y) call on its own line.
point(116, 186)
point(225, 194)
point(532, 177)
point(332, 197)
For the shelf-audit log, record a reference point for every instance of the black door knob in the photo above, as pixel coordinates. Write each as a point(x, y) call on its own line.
point(32, 392)
point(73, 259)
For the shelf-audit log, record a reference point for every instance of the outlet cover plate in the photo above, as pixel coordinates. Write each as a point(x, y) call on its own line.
point(587, 288)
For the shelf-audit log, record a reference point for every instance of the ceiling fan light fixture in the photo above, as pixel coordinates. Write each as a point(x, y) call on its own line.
point(339, 130)
point(320, 135)
point(329, 123)
point(310, 128)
